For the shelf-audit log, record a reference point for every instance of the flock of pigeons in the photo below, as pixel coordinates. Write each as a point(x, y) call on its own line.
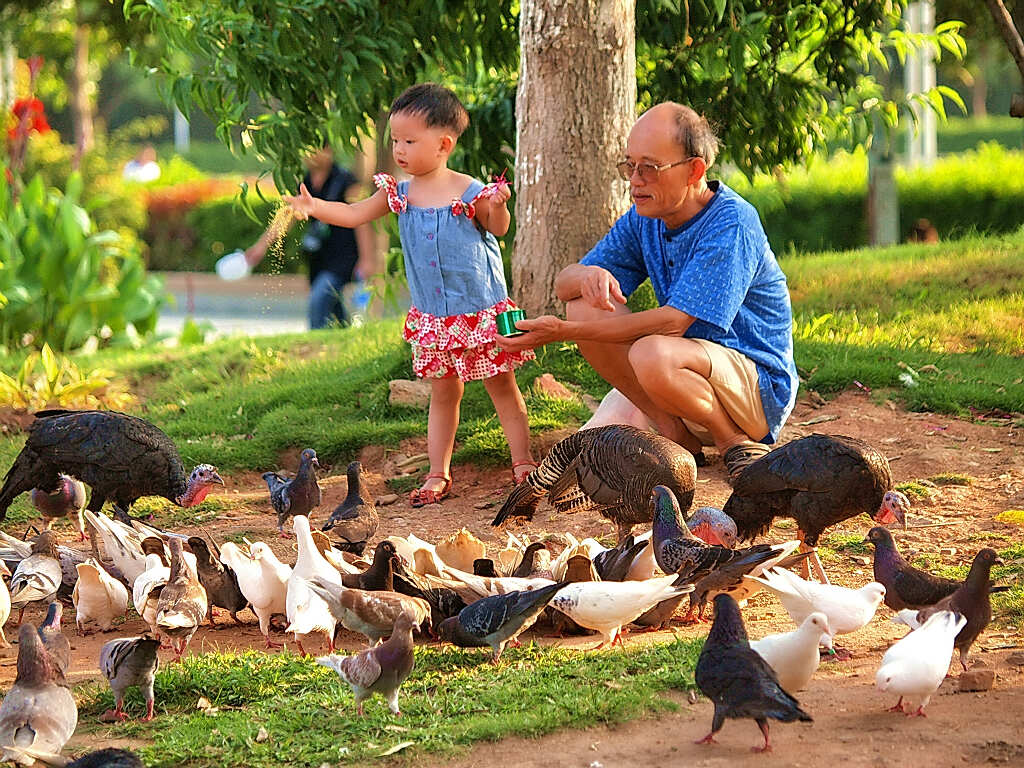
point(451, 589)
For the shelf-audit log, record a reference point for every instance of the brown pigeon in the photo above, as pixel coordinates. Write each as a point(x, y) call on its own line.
point(381, 669)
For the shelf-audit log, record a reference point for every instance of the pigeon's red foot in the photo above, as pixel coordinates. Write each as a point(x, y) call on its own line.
point(897, 707)
point(709, 739)
point(918, 713)
point(271, 644)
point(113, 716)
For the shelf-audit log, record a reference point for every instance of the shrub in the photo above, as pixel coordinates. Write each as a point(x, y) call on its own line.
point(63, 282)
point(220, 226)
point(823, 206)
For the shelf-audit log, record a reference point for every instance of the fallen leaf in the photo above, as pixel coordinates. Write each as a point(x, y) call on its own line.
point(262, 735)
point(396, 728)
point(613, 685)
point(397, 748)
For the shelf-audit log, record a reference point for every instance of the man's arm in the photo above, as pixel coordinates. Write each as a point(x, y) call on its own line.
point(618, 328)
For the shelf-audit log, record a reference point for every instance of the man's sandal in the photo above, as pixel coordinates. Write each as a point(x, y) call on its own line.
point(423, 496)
point(516, 479)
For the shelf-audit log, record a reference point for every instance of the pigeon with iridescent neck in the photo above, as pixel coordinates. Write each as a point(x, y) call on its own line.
point(69, 497)
point(121, 458)
point(298, 496)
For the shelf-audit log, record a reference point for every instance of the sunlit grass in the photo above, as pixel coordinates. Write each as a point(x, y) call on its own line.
point(453, 698)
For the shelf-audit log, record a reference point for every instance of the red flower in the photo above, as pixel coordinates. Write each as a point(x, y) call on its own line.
point(30, 116)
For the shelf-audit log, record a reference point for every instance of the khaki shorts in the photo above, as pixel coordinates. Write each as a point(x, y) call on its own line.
point(734, 380)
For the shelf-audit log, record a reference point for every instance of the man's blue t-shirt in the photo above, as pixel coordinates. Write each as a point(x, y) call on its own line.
point(718, 268)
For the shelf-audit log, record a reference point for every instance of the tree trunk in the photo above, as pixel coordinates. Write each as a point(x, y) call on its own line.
point(81, 101)
point(575, 106)
point(1015, 45)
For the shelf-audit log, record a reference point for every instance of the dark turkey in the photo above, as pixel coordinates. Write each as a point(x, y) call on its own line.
point(120, 457)
point(355, 520)
point(297, 496)
point(611, 470)
point(818, 481)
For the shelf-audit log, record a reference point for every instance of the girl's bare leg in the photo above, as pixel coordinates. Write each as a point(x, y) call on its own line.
point(442, 421)
point(511, 410)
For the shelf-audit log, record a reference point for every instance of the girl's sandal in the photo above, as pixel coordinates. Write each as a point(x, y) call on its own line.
point(422, 496)
point(518, 479)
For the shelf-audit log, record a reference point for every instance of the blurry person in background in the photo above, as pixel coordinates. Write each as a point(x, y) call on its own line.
point(336, 256)
point(143, 167)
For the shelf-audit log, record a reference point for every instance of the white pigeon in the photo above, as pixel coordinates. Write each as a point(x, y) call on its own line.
point(5, 605)
point(122, 544)
point(262, 579)
point(38, 577)
point(794, 655)
point(147, 587)
point(99, 598)
point(907, 616)
point(606, 606)
point(847, 609)
point(559, 564)
point(306, 611)
point(915, 666)
point(644, 565)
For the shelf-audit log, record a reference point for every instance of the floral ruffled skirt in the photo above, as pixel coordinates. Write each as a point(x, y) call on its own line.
point(460, 345)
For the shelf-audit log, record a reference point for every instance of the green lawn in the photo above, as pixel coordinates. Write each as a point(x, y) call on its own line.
point(452, 699)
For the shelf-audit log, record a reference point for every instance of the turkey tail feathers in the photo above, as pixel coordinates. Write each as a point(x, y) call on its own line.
point(522, 502)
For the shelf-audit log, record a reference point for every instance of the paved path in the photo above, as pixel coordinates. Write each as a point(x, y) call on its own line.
point(255, 305)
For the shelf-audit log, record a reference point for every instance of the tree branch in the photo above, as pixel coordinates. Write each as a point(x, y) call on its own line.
point(1009, 32)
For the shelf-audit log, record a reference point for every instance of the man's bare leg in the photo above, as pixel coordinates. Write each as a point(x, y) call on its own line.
point(611, 361)
point(674, 373)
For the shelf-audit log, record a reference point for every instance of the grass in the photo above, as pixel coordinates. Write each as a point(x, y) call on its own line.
point(452, 699)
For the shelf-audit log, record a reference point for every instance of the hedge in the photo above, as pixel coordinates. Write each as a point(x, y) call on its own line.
point(823, 207)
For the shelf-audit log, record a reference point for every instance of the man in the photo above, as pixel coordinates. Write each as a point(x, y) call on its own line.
point(713, 364)
point(335, 255)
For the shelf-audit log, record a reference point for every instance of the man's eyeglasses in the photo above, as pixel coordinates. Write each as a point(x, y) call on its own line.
point(647, 171)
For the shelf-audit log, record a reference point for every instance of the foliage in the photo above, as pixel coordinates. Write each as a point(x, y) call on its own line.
point(781, 77)
point(261, 52)
point(822, 206)
point(63, 281)
point(62, 384)
point(451, 700)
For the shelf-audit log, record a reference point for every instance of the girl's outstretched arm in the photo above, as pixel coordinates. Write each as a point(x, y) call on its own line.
point(492, 211)
point(337, 213)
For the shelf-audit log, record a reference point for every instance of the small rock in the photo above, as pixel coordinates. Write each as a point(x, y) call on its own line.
point(262, 735)
point(977, 680)
point(388, 498)
point(1016, 659)
point(412, 394)
point(483, 504)
point(860, 560)
point(947, 551)
point(546, 384)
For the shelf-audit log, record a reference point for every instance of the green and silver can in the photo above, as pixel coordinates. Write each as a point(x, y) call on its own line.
point(507, 322)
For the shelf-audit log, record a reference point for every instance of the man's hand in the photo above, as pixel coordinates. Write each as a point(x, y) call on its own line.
point(539, 331)
point(301, 203)
point(599, 288)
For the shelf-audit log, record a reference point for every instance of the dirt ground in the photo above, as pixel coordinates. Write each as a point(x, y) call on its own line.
point(850, 724)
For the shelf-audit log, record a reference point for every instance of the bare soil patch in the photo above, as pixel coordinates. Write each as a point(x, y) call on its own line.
point(961, 729)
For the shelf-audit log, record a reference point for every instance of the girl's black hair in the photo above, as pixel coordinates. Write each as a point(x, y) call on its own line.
point(439, 107)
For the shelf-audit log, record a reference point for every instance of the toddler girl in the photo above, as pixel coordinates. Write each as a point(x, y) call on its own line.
point(447, 222)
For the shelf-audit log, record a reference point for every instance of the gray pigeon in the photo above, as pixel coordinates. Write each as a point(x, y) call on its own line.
point(297, 496)
point(54, 639)
point(108, 758)
point(39, 714)
point(381, 669)
point(737, 680)
point(219, 581)
point(67, 498)
point(355, 520)
point(38, 577)
point(495, 620)
point(130, 661)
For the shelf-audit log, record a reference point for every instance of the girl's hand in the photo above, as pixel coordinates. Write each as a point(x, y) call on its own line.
point(501, 194)
point(301, 203)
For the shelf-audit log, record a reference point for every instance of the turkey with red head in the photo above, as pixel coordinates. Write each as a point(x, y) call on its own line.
point(121, 458)
point(818, 481)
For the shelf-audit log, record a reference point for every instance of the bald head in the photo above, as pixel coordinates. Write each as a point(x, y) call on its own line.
point(683, 127)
